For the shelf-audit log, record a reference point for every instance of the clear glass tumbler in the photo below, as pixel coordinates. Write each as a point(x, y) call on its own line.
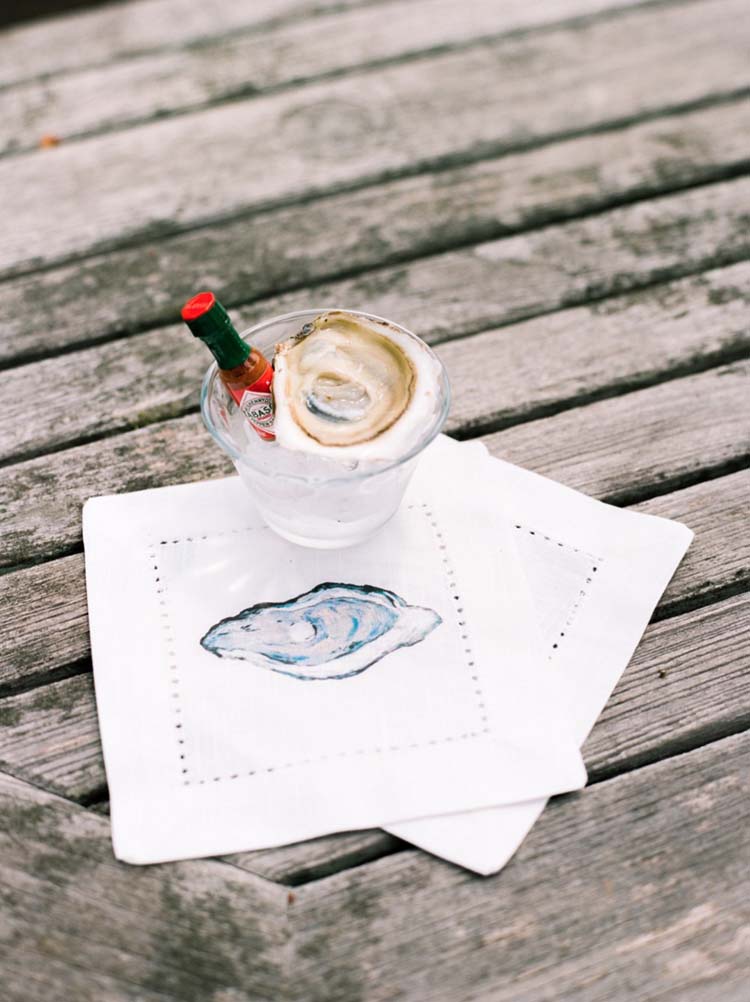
point(307, 499)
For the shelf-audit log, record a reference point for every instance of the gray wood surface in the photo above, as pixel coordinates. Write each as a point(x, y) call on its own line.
point(132, 289)
point(667, 330)
point(636, 888)
point(78, 925)
point(555, 195)
point(327, 135)
point(684, 687)
point(653, 864)
point(232, 65)
point(115, 32)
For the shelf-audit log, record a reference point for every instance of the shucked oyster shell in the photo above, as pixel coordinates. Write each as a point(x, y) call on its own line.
point(352, 387)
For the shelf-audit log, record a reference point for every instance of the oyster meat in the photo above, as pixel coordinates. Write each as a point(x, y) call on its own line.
point(353, 387)
point(330, 632)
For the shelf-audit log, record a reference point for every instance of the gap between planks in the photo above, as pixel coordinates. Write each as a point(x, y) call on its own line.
point(686, 429)
point(152, 377)
point(654, 863)
point(124, 32)
point(249, 65)
point(341, 238)
point(642, 82)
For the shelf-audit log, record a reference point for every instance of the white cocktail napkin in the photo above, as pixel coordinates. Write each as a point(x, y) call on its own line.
point(207, 633)
point(596, 574)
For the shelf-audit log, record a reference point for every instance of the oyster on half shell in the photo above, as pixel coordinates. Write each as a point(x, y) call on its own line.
point(353, 387)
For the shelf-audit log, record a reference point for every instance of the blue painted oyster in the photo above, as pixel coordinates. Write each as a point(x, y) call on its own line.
point(332, 631)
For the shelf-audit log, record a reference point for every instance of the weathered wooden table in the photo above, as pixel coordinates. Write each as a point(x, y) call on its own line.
point(556, 194)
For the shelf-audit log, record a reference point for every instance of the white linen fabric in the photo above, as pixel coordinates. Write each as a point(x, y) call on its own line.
point(596, 574)
point(252, 693)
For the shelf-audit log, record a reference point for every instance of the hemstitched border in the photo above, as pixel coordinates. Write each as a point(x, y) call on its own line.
point(168, 628)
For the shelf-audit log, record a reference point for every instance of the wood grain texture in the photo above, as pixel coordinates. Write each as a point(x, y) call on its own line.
point(132, 289)
point(124, 31)
point(329, 135)
point(719, 557)
point(647, 441)
point(526, 369)
point(686, 685)
point(244, 63)
point(634, 889)
point(50, 736)
point(78, 925)
point(651, 440)
point(652, 864)
point(44, 627)
point(176, 452)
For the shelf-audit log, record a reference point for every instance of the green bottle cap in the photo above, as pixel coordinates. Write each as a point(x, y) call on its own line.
point(208, 320)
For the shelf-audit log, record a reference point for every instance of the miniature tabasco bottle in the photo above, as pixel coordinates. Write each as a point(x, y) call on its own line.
point(244, 371)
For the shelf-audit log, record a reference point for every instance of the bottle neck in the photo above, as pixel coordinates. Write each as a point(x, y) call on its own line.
point(209, 321)
point(227, 347)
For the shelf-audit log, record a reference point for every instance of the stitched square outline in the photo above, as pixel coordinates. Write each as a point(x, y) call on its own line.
point(185, 770)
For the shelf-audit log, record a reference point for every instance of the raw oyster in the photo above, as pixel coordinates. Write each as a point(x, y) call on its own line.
point(333, 631)
point(353, 387)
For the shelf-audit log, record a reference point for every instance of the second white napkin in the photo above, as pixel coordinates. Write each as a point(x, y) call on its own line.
point(596, 574)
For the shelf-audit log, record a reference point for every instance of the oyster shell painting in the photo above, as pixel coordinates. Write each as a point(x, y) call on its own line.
point(331, 632)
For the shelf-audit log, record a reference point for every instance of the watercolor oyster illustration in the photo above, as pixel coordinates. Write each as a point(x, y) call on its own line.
point(331, 632)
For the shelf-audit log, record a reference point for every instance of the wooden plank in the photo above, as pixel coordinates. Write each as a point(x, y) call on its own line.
point(79, 925)
point(718, 560)
point(71, 761)
point(635, 888)
point(176, 452)
point(243, 63)
point(50, 736)
point(45, 625)
point(686, 686)
point(647, 441)
point(44, 628)
point(132, 289)
point(639, 339)
point(651, 440)
point(330, 135)
point(656, 862)
point(126, 30)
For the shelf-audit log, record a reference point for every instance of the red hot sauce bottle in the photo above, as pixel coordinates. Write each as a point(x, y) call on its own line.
point(244, 371)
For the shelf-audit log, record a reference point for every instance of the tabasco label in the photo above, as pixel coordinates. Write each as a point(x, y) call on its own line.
point(257, 407)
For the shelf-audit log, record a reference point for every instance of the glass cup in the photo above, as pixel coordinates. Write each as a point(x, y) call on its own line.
point(312, 500)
